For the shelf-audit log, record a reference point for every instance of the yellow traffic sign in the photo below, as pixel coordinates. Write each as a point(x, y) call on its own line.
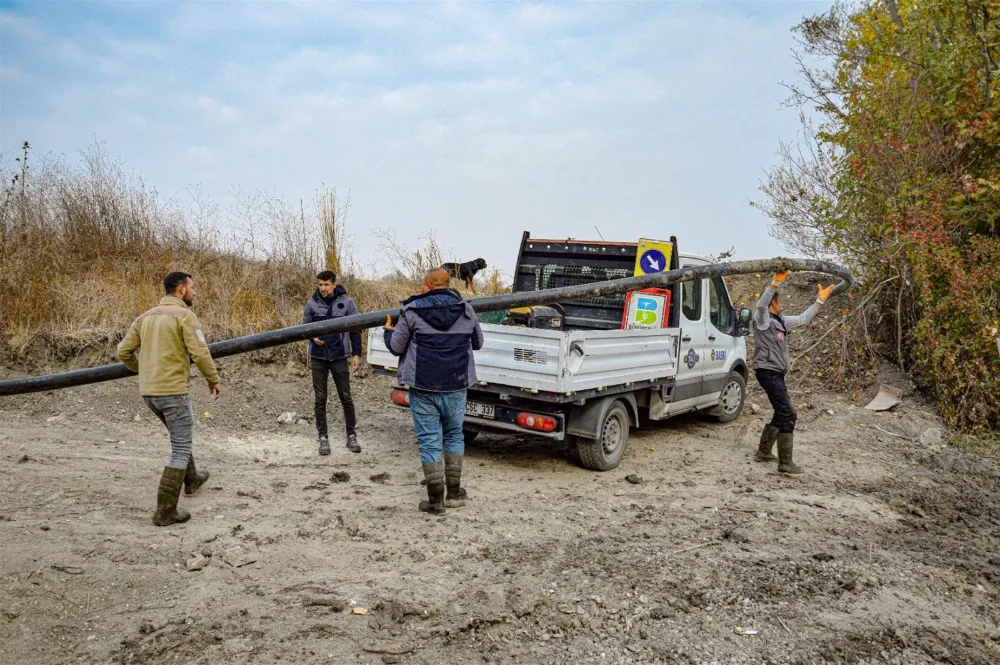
point(652, 256)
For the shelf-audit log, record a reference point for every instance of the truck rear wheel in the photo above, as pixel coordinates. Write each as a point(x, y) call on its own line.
point(605, 452)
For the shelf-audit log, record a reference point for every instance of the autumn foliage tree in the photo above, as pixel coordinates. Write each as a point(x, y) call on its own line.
point(899, 177)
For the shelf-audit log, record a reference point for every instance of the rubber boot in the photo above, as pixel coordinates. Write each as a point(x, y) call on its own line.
point(767, 439)
point(434, 475)
point(167, 512)
point(456, 494)
point(785, 463)
point(193, 479)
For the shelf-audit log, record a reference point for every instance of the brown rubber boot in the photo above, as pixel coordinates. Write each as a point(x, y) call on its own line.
point(453, 481)
point(767, 439)
point(434, 475)
point(167, 512)
point(785, 463)
point(193, 479)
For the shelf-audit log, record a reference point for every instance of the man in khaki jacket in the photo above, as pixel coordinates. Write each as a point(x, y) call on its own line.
point(168, 337)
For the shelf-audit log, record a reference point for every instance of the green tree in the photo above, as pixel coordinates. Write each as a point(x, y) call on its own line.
point(900, 179)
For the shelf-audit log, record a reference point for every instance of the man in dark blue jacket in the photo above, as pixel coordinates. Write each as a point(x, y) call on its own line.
point(328, 355)
point(435, 336)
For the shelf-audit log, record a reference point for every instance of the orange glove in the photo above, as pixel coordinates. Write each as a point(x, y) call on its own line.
point(388, 323)
point(824, 294)
point(779, 277)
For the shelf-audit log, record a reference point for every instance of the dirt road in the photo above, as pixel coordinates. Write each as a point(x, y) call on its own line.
point(885, 552)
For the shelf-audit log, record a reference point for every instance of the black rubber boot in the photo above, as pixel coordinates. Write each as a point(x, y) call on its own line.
point(193, 479)
point(767, 439)
point(785, 463)
point(352, 443)
point(167, 512)
point(456, 494)
point(324, 445)
point(434, 475)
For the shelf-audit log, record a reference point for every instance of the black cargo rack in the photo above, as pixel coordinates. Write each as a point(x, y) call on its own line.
point(548, 264)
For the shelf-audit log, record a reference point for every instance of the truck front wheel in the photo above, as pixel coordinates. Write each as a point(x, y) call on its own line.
point(606, 451)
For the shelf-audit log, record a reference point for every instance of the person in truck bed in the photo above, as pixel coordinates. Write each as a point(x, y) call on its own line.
point(770, 364)
point(435, 337)
point(329, 354)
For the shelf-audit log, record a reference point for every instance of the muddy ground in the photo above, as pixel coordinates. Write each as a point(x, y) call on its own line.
point(886, 551)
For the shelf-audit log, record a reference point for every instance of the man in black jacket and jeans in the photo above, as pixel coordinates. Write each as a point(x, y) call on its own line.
point(329, 354)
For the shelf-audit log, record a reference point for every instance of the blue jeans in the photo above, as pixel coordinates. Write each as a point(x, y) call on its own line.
point(437, 421)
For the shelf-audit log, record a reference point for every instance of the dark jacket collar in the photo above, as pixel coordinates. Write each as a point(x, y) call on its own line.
point(338, 291)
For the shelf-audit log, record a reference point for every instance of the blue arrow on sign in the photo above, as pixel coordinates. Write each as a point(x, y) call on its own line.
point(652, 261)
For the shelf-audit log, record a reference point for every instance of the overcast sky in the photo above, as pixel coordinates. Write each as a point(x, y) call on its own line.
point(476, 120)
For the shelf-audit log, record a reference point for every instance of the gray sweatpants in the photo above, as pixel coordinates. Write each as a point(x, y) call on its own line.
point(176, 413)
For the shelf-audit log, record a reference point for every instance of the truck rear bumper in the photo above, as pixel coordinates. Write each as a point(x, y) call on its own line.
point(500, 416)
point(485, 425)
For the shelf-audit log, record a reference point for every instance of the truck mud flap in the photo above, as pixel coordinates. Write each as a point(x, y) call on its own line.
point(584, 420)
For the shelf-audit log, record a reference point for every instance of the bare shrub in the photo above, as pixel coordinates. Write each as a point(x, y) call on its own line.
point(83, 250)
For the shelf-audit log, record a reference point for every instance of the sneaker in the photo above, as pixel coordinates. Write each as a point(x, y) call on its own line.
point(352, 443)
point(324, 445)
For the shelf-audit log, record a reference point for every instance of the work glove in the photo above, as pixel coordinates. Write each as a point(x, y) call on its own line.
point(824, 294)
point(779, 277)
point(388, 323)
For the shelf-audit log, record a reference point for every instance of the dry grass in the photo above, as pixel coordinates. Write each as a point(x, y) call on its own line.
point(83, 251)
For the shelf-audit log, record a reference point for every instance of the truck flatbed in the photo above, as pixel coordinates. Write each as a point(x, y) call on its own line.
point(561, 366)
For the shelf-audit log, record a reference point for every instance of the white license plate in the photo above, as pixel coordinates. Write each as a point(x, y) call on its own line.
point(479, 410)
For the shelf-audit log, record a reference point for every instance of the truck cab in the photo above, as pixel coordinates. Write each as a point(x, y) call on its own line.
point(577, 372)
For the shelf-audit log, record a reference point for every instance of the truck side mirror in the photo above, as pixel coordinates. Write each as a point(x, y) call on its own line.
point(743, 322)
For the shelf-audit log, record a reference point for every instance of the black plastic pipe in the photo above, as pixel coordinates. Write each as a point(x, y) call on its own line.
point(264, 340)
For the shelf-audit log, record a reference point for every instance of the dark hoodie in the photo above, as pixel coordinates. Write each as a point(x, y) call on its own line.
point(436, 335)
point(335, 346)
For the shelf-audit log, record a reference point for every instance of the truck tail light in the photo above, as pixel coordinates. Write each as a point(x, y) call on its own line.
point(536, 421)
point(400, 397)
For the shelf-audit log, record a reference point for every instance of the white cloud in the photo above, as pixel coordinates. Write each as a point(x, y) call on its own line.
point(311, 67)
point(215, 109)
point(545, 16)
point(550, 117)
point(202, 153)
point(488, 51)
point(10, 74)
point(140, 49)
point(196, 20)
point(19, 27)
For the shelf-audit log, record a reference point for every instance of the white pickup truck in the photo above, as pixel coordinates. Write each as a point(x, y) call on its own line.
point(579, 376)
